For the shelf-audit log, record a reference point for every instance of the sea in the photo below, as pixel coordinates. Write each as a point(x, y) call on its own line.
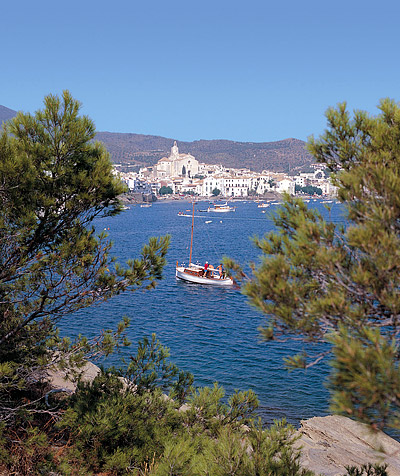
point(211, 332)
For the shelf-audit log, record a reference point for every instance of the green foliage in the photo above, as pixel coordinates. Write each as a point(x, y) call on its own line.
point(164, 190)
point(367, 470)
point(339, 285)
point(126, 425)
point(112, 426)
point(179, 458)
point(55, 180)
point(245, 452)
point(366, 377)
point(26, 453)
point(207, 412)
point(117, 430)
point(216, 192)
point(150, 369)
point(309, 190)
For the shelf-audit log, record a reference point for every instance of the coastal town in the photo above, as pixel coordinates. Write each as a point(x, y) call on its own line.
point(182, 174)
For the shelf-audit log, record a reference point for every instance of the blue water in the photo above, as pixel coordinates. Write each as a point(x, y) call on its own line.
point(210, 332)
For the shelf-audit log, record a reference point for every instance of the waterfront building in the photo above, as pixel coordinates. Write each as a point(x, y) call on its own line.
point(285, 185)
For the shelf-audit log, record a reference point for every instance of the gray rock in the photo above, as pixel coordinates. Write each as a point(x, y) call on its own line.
point(58, 378)
point(331, 443)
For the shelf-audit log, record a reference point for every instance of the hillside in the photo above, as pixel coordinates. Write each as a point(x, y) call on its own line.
point(145, 150)
point(6, 114)
point(284, 155)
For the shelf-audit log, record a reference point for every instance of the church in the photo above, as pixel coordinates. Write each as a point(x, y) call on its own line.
point(177, 165)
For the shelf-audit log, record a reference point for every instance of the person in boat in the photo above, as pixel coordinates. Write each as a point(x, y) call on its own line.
point(209, 271)
point(221, 271)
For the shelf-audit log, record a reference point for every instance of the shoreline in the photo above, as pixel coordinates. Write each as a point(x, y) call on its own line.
point(126, 199)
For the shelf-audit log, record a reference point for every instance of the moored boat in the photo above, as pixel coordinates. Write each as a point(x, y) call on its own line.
point(221, 208)
point(198, 274)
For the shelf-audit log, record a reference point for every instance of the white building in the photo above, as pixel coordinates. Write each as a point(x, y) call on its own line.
point(300, 180)
point(237, 186)
point(285, 185)
point(177, 165)
point(212, 182)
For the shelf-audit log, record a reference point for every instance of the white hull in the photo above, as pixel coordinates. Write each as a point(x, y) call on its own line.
point(193, 278)
point(221, 210)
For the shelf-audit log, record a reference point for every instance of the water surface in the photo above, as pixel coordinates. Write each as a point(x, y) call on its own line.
point(211, 332)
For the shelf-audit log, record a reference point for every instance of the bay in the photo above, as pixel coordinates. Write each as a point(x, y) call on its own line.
point(210, 332)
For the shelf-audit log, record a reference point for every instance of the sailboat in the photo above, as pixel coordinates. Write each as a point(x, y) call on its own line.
point(198, 274)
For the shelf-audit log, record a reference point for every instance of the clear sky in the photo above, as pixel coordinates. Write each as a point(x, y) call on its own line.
point(253, 70)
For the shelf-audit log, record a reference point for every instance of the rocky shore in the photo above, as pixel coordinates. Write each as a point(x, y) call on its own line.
point(331, 443)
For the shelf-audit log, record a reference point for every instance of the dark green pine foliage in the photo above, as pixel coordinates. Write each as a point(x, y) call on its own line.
point(134, 429)
point(54, 181)
point(340, 284)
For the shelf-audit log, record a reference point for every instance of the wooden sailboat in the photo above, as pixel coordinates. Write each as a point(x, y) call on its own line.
point(199, 274)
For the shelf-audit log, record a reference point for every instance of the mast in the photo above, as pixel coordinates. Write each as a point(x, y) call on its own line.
point(191, 237)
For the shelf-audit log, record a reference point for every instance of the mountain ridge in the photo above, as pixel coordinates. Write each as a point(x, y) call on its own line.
point(131, 149)
point(6, 114)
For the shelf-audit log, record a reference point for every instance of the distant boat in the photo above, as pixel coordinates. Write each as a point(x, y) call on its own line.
point(197, 274)
point(263, 205)
point(145, 205)
point(221, 208)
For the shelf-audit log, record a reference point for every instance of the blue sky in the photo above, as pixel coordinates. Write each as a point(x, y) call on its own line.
point(252, 70)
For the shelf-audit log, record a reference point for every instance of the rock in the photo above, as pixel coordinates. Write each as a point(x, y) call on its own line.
point(330, 443)
point(57, 379)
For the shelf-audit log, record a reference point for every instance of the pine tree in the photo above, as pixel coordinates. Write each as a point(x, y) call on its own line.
point(54, 181)
point(340, 284)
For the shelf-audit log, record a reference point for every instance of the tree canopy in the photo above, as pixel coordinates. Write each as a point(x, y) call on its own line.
point(339, 284)
point(54, 181)
point(165, 190)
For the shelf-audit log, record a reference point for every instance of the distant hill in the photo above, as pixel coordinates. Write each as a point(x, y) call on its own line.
point(6, 114)
point(280, 156)
point(288, 155)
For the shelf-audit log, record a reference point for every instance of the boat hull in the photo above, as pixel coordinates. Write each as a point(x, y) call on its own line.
point(193, 278)
point(221, 210)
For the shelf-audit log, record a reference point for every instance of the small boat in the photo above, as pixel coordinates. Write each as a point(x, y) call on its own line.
point(198, 274)
point(221, 208)
point(263, 205)
point(145, 205)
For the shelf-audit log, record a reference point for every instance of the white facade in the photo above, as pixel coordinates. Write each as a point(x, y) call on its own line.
point(328, 188)
point(285, 185)
point(177, 165)
point(237, 186)
point(211, 183)
point(300, 180)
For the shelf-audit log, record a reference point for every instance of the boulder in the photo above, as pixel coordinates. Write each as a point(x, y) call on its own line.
point(58, 380)
point(331, 443)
